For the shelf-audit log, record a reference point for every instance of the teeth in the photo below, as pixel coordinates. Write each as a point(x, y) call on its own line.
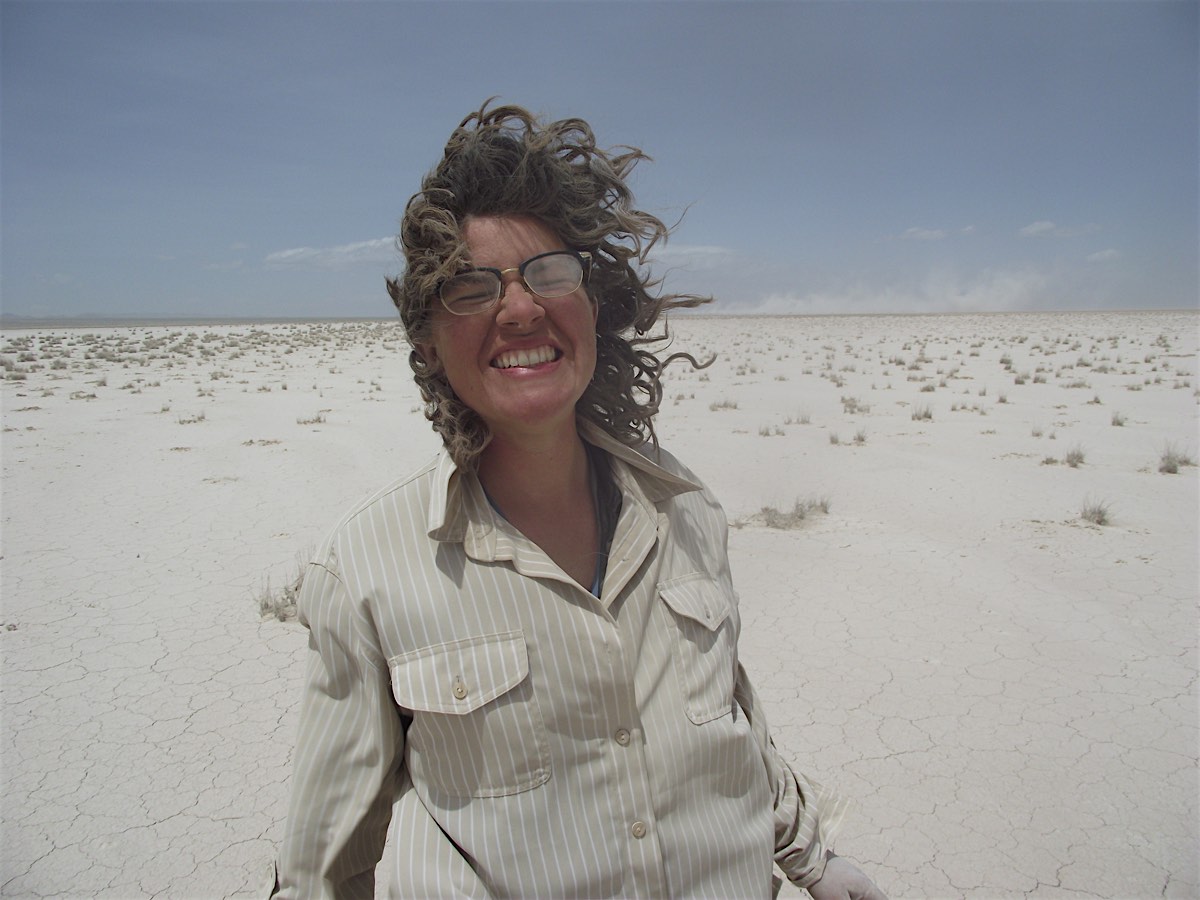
point(524, 358)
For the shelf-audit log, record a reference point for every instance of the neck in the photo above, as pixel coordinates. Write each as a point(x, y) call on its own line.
point(548, 472)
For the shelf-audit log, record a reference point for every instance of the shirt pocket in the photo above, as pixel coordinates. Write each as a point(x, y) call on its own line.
point(705, 644)
point(476, 729)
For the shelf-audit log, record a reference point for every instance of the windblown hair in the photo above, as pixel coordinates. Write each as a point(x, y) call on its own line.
point(503, 161)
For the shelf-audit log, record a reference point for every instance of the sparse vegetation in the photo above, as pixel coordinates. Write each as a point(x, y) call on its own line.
point(1074, 457)
point(1172, 459)
point(281, 603)
point(852, 405)
point(1095, 511)
point(922, 413)
point(793, 518)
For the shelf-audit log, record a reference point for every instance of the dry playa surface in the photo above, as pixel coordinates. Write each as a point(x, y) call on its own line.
point(965, 548)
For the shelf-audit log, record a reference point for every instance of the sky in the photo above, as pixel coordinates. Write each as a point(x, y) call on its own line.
point(237, 159)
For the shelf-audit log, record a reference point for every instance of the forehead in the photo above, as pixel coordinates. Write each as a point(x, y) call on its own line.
point(506, 241)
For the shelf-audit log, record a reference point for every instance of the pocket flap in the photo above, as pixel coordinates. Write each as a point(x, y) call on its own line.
point(460, 676)
point(697, 598)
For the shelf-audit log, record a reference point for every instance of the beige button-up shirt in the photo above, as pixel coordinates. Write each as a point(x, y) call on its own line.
point(524, 737)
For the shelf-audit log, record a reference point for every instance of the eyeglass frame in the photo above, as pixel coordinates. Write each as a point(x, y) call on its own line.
point(585, 261)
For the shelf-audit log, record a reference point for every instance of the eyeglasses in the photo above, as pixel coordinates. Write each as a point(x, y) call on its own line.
point(549, 275)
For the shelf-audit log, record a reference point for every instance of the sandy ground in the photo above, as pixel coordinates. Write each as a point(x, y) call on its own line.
point(1007, 691)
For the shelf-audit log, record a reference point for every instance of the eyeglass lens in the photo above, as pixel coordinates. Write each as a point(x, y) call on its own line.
point(552, 275)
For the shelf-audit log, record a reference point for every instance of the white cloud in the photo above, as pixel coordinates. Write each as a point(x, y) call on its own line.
point(1104, 256)
point(693, 257)
point(1038, 229)
point(992, 290)
point(376, 251)
point(1045, 228)
point(923, 234)
point(970, 229)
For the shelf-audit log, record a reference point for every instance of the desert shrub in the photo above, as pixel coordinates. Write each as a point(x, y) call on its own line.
point(1172, 458)
point(793, 518)
point(1117, 419)
point(922, 412)
point(281, 604)
point(1095, 511)
point(1074, 457)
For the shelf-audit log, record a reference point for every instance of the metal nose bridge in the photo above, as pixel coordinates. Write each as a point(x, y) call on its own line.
point(520, 279)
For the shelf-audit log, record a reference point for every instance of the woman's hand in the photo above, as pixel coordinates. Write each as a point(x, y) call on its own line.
point(844, 881)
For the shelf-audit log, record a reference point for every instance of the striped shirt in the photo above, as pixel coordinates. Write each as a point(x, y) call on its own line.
point(523, 737)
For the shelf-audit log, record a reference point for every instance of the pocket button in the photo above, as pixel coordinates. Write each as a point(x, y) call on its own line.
point(622, 737)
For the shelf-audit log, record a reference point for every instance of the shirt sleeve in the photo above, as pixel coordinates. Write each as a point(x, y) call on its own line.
point(349, 742)
point(807, 815)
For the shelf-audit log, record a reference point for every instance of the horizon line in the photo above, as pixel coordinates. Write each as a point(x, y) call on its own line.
point(85, 320)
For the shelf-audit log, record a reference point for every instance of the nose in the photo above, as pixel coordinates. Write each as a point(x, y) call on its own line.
point(518, 307)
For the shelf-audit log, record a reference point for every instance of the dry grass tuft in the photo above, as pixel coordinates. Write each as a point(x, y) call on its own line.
point(1074, 457)
point(281, 604)
point(794, 518)
point(1096, 512)
point(1172, 458)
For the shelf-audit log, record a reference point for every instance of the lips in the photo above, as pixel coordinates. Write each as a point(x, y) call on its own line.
point(534, 356)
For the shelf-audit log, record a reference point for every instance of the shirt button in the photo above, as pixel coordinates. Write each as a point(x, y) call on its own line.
point(622, 737)
point(638, 830)
point(460, 689)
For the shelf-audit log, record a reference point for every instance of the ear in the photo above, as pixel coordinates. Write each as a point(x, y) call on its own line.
point(427, 352)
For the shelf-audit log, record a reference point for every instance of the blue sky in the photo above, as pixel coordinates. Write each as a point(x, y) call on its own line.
point(253, 159)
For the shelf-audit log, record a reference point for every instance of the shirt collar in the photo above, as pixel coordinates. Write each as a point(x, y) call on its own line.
point(457, 501)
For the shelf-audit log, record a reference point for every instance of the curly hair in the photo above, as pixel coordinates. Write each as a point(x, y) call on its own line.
point(503, 161)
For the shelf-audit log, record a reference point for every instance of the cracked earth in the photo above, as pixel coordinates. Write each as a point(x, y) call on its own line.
point(1007, 693)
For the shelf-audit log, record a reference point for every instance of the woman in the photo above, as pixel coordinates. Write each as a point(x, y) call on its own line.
point(525, 654)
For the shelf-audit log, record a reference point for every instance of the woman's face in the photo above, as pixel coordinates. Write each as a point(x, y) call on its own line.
point(524, 363)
